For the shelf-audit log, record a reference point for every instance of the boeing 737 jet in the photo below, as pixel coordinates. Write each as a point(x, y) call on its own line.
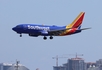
point(36, 30)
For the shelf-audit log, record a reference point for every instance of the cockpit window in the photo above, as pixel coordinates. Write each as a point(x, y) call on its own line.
point(18, 26)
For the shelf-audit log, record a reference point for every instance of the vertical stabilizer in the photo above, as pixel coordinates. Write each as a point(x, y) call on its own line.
point(77, 22)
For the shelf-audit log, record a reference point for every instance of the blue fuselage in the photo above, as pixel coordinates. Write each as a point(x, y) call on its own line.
point(36, 29)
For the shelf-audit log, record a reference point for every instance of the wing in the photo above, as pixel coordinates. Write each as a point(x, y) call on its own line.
point(57, 32)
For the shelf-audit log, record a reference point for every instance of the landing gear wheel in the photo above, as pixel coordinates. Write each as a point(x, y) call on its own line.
point(44, 37)
point(51, 37)
point(20, 35)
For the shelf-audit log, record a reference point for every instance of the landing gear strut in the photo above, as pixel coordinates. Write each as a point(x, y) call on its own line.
point(44, 37)
point(20, 35)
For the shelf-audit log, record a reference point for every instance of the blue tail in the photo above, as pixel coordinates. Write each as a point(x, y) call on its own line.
point(79, 27)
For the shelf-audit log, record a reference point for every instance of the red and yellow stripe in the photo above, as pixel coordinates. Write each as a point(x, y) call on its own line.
point(74, 25)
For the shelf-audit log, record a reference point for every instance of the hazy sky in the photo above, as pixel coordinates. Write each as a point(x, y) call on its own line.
point(36, 52)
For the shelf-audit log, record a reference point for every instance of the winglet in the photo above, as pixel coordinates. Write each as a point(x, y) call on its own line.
point(77, 22)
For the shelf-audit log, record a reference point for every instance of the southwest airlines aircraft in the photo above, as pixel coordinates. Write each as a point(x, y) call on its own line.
point(36, 30)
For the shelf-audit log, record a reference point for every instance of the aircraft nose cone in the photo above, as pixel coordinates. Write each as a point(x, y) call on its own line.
point(14, 28)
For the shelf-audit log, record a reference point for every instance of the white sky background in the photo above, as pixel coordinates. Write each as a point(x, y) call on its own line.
point(37, 53)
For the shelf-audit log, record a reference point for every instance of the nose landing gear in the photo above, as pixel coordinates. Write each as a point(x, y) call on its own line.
point(20, 35)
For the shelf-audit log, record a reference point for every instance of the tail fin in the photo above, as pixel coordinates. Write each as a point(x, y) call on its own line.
point(79, 27)
point(77, 22)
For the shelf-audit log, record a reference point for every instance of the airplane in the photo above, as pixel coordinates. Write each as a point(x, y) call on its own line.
point(36, 30)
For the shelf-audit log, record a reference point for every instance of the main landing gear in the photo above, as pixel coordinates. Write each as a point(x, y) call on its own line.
point(51, 37)
point(46, 37)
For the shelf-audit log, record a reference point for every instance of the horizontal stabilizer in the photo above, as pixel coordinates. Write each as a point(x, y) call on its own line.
point(85, 28)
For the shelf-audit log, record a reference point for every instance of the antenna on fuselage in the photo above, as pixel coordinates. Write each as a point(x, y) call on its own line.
point(42, 24)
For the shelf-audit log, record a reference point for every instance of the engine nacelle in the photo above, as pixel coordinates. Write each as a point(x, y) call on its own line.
point(33, 35)
point(44, 33)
